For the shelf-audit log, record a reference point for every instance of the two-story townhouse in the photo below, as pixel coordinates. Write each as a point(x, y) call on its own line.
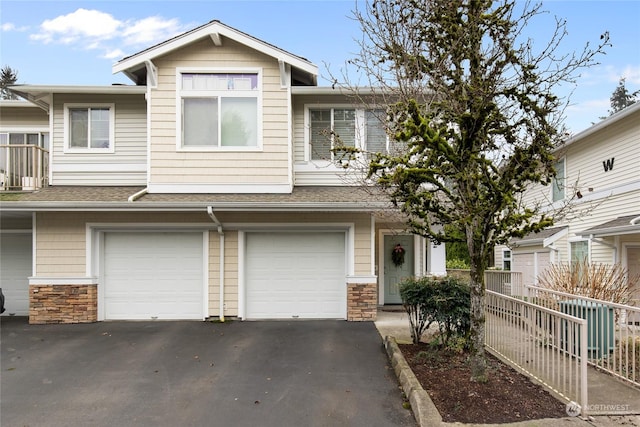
point(206, 189)
point(599, 172)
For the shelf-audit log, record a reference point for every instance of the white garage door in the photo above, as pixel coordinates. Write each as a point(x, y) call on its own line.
point(295, 275)
point(153, 276)
point(15, 269)
point(531, 265)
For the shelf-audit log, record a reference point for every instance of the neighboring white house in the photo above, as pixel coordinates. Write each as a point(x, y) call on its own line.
point(205, 189)
point(600, 169)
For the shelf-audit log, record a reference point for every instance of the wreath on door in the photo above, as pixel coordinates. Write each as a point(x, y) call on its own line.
point(397, 255)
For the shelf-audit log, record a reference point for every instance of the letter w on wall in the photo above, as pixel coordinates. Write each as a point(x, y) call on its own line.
point(608, 164)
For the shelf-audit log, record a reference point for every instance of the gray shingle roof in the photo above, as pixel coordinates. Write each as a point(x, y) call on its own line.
point(539, 237)
point(615, 226)
point(301, 198)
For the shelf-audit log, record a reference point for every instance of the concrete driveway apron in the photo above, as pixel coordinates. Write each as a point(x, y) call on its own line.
point(285, 373)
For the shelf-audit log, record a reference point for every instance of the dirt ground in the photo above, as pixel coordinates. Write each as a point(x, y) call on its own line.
point(508, 396)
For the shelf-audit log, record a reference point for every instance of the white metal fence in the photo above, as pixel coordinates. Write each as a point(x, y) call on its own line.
point(613, 330)
point(546, 344)
point(504, 282)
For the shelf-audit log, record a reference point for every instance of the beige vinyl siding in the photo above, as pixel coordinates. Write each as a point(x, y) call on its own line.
point(61, 242)
point(620, 141)
point(230, 273)
point(61, 237)
point(299, 130)
point(125, 166)
point(23, 118)
point(584, 158)
point(608, 209)
point(170, 166)
point(362, 230)
point(314, 172)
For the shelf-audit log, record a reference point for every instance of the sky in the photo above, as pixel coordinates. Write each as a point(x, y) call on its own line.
point(60, 42)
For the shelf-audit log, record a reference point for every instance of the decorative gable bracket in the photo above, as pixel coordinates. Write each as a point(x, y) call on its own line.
point(216, 39)
point(285, 74)
point(152, 74)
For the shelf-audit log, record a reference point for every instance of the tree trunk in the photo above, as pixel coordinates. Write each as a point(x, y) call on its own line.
point(478, 360)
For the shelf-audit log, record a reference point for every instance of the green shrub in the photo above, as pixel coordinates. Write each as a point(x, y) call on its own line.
point(441, 300)
point(457, 264)
point(452, 302)
point(415, 299)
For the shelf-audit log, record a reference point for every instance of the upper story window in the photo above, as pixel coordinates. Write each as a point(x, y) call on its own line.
point(219, 110)
point(331, 128)
point(558, 184)
point(89, 128)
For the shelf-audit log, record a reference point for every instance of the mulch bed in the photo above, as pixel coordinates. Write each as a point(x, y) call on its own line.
point(508, 396)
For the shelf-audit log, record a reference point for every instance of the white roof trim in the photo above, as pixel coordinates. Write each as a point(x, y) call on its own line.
point(212, 30)
point(43, 90)
point(329, 90)
point(540, 241)
point(16, 103)
point(552, 239)
point(601, 125)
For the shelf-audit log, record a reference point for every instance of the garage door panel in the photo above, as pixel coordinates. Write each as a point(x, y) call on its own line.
point(15, 269)
point(153, 275)
point(298, 274)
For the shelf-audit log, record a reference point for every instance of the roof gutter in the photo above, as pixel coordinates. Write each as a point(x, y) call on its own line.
point(217, 222)
point(187, 206)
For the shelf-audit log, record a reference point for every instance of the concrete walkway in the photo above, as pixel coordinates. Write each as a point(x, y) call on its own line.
point(605, 392)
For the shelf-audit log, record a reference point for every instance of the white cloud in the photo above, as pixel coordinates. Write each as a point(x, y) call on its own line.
point(114, 54)
point(152, 30)
point(95, 30)
point(81, 26)
point(632, 74)
point(610, 75)
point(10, 26)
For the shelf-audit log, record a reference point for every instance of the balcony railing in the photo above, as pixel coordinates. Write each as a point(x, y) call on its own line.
point(23, 167)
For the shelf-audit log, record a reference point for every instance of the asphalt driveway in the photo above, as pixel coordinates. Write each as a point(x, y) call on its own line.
point(298, 373)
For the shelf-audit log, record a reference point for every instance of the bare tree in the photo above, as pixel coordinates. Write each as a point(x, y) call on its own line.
point(470, 100)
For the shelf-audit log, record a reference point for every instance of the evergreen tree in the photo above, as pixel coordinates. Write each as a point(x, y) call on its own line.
point(621, 98)
point(8, 77)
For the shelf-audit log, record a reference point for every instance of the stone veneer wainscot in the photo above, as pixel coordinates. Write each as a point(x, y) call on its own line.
point(63, 303)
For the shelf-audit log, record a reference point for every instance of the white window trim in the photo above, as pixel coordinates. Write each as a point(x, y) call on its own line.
point(196, 94)
point(359, 136)
point(360, 131)
point(576, 240)
point(112, 126)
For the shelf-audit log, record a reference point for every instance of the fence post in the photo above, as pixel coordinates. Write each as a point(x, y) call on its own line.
point(583, 367)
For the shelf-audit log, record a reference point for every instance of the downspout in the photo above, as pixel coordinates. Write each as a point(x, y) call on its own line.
point(221, 234)
point(136, 196)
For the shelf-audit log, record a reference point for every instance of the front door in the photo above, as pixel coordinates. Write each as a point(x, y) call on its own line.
point(394, 274)
point(633, 267)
